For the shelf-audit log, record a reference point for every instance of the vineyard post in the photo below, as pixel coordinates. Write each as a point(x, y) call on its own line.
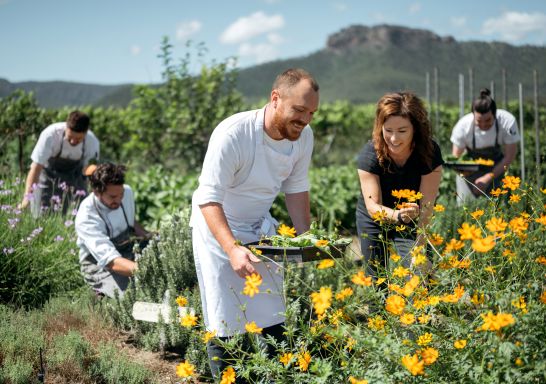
point(537, 131)
point(521, 146)
point(461, 95)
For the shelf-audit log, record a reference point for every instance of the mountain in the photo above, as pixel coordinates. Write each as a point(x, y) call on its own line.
point(358, 64)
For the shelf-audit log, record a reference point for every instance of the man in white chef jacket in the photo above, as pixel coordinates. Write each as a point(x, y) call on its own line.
point(107, 229)
point(252, 156)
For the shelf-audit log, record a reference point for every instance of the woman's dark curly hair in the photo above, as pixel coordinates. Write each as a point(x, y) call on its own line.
point(409, 106)
point(107, 174)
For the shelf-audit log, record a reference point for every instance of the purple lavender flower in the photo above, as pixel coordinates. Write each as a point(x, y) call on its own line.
point(81, 192)
point(13, 222)
point(63, 186)
point(74, 212)
point(5, 208)
point(68, 223)
point(58, 238)
point(8, 251)
point(56, 199)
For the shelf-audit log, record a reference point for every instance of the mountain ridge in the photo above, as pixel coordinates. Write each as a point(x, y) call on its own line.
point(358, 63)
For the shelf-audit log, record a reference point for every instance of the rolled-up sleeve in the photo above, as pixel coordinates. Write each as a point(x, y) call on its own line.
point(92, 235)
point(298, 181)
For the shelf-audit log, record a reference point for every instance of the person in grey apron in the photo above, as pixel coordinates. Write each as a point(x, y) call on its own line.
point(108, 232)
point(63, 177)
point(487, 133)
point(55, 178)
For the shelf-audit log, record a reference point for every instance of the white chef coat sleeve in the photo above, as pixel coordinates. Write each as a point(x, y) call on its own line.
point(298, 181)
point(458, 135)
point(43, 149)
point(510, 129)
point(220, 167)
point(91, 231)
point(92, 148)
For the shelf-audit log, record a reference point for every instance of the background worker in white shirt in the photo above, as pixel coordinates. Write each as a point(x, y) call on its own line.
point(62, 152)
point(107, 229)
point(252, 156)
point(487, 133)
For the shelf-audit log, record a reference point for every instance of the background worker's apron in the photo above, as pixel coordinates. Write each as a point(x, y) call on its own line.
point(101, 279)
point(62, 170)
point(247, 210)
point(464, 189)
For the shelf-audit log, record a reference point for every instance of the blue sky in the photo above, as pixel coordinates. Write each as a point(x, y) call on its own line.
point(117, 41)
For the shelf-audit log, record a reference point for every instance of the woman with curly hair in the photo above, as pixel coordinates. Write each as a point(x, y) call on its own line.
point(401, 158)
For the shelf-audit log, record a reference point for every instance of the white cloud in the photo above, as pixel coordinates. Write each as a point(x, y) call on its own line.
point(261, 52)
point(414, 8)
point(458, 21)
point(514, 26)
point(187, 29)
point(245, 28)
point(135, 49)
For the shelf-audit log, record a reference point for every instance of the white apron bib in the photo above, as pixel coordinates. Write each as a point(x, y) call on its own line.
point(225, 309)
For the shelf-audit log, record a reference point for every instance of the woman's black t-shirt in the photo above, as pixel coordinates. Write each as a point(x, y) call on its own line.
point(395, 178)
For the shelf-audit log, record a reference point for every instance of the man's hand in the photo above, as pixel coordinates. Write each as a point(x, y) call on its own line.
point(24, 204)
point(241, 260)
point(482, 183)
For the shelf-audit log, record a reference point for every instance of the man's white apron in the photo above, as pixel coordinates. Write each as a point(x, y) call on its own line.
point(225, 309)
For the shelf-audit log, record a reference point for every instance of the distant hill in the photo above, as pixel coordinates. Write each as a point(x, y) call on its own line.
point(358, 64)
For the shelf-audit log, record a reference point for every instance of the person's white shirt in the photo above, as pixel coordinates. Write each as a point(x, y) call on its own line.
point(463, 132)
point(91, 228)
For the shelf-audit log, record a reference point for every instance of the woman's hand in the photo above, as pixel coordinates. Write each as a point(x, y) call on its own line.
point(408, 213)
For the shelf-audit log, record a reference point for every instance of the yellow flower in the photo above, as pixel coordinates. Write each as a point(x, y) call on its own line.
point(477, 299)
point(410, 286)
point(395, 304)
point(407, 318)
point(423, 319)
point(433, 300)
point(436, 239)
point(400, 271)
point(520, 304)
point(185, 369)
point(483, 245)
point(181, 301)
point(469, 232)
point(496, 224)
point(408, 194)
point(400, 228)
point(189, 320)
point(379, 216)
point(376, 323)
point(541, 219)
point(541, 260)
point(511, 182)
point(459, 344)
point(251, 284)
point(350, 344)
point(286, 358)
point(303, 361)
point(519, 362)
point(429, 355)
point(439, 208)
point(380, 281)
point(353, 380)
point(413, 364)
point(477, 214)
point(395, 257)
point(208, 336)
point(497, 192)
point(253, 328)
point(326, 263)
point(424, 339)
point(454, 245)
point(419, 259)
point(285, 230)
point(518, 225)
point(515, 198)
point(322, 300)
point(344, 293)
point(360, 279)
point(481, 161)
point(493, 322)
point(322, 243)
point(257, 252)
point(228, 376)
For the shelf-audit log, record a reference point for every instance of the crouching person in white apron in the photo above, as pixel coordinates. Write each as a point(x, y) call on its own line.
point(251, 157)
point(107, 232)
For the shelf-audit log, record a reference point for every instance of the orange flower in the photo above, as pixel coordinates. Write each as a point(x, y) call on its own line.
point(303, 360)
point(459, 344)
point(181, 301)
point(453, 245)
point(285, 230)
point(400, 271)
point(477, 214)
point(436, 239)
point(377, 323)
point(515, 198)
point(496, 224)
point(353, 380)
point(469, 232)
point(429, 355)
point(413, 364)
point(483, 245)
point(360, 279)
point(395, 304)
point(439, 208)
point(228, 376)
point(493, 322)
point(541, 219)
point(322, 300)
point(252, 284)
point(189, 320)
point(407, 318)
point(344, 293)
point(518, 225)
point(511, 182)
point(253, 328)
point(286, 358)
point(185, 369)
point(326, 263)
point(497, 192)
